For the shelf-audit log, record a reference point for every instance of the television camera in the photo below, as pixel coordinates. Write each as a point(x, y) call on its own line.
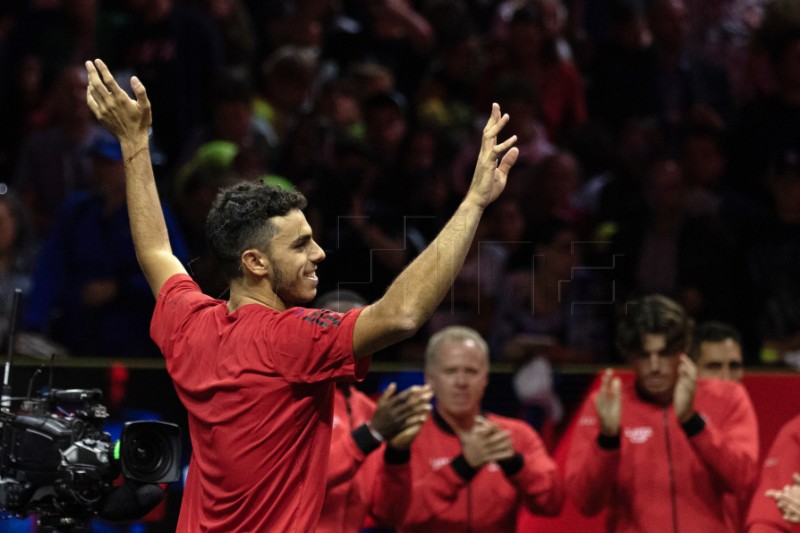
point(58, 463)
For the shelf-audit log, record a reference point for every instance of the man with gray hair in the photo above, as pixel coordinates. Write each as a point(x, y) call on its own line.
point(473, 470)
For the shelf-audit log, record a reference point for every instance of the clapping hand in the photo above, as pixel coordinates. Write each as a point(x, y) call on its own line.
point(788, 500)
point(608, 404)
point(486, 443)
point(398, 417)
point(683, 398)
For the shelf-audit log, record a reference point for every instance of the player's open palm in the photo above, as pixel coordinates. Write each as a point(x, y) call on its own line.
point(123, 116)
point(490, 177)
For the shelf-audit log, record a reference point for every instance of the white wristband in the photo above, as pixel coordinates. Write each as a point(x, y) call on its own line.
point(375, 435)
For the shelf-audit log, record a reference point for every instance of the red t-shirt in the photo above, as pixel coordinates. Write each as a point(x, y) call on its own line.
point(258, 388)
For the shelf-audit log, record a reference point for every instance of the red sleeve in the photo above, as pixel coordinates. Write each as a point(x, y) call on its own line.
point(539, 481)
point(312, 345)
point(391, 496)
point(178, 299)
point(780, 463)
point(347, 457)
point(729, 444)
point(591, 471)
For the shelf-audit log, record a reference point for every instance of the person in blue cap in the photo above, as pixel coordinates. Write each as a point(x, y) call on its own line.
point(89, 295)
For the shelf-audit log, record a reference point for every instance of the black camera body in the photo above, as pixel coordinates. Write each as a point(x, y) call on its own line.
point(58, 463)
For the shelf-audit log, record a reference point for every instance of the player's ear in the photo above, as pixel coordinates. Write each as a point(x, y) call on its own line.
point(256, 262)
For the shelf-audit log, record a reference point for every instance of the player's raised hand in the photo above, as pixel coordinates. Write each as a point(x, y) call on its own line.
point(126, 118)
point(489, 178)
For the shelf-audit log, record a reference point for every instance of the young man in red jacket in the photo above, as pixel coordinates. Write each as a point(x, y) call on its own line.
point(471, 470)
point(660, 451)
point(716, 350)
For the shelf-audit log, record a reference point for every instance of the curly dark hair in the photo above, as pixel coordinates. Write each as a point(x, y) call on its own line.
point(241, 218)
point(654, 314)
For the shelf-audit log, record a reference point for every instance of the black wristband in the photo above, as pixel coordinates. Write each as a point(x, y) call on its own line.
point(512, 465)
point(463, 469)
point(393, 456)
point(364, 439)
point(694, 425)
point(608, 443)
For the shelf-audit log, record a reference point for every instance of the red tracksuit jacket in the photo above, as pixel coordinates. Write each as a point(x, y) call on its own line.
point(445, 499)
point(780, 463)
point(360, 484)
point(659, 479)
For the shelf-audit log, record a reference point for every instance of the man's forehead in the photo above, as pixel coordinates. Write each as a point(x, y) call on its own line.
point(461, 352)
point(291, 225)
point(727, 348)
point(654, 341)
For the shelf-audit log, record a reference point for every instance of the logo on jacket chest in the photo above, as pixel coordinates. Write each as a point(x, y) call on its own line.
point(639, 435)
point(439, 462)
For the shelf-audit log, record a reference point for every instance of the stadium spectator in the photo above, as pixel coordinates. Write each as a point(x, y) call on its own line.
point(88, 293)
point(717, 351)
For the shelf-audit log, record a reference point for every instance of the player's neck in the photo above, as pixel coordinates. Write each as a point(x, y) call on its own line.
point(243, 293)
point(458, 423)
point(663, 399)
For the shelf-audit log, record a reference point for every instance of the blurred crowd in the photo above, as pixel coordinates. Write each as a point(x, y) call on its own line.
point(659, 153)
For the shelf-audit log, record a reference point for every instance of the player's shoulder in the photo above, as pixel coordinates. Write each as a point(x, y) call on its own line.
point(720, 388)
point(720, 396)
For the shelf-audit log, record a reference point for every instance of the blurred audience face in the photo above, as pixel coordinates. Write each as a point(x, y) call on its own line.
point(525, 38)
point(109, 179)
point(458, 375)
point(669, 23)
point(665, 190)
point(523, 119)
point(702, 161)
point(559, 257)
point(69, 96)
point(720, 360)
point(232, 121)
point(551, 17)
point(559, 180)
point(507, 221)
point(386, 128)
